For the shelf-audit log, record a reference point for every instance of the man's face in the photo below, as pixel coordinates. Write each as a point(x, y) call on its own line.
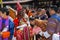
point(32, 22)
point(0, 13)
point(51, 11)
point(3, 15)
point(43, 11)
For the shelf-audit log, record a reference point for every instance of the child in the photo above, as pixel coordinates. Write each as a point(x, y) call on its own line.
point(4, 24)
point(9, 29)
point(34, 29)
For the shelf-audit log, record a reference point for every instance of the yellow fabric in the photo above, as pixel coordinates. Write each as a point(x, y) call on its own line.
point(0, 1)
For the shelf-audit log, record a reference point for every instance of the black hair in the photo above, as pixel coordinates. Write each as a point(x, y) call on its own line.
point(54, 7)
point(5, 10)
point(33, 11)
point(31, 18)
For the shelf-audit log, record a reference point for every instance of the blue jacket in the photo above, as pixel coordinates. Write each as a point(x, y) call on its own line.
point(55, 16)
point(11, 28)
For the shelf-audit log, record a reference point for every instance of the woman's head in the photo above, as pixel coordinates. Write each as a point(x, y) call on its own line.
point(41, 12)
point(5, 12)
point(32, 21)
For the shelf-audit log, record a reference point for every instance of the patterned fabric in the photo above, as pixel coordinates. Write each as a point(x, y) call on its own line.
point(31, 31)
point(26, 33)
point(43, 17)
point(19, 35)
point(6, 23)
point(16, 23)
point(36, 30)
point(55, 16)
point(52, 25)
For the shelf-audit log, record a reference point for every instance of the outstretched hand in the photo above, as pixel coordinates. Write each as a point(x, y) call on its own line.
point(0, 33)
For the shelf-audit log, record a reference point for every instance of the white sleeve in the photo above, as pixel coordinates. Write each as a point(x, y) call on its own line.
point(41, 32)
point(46, 34)
point(11, 18)
point(22, 26)
point(28, 23)
point(5, 29)
point(26, 16)
point(55, 37)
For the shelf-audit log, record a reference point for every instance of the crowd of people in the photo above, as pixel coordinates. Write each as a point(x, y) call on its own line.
point(30, 24)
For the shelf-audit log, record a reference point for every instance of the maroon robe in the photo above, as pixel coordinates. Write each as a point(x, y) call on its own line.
point(26, 33)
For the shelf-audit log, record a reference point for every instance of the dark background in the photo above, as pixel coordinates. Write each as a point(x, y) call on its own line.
point(35, 3)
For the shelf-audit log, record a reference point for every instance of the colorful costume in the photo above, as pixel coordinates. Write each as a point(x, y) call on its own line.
point(43, 17)
point(53, 25)
point(4, 27)
point(57, 17)
point(20, 25)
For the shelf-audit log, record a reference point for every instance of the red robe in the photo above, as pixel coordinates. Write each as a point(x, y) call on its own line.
point(16, 23)
point(21, 34)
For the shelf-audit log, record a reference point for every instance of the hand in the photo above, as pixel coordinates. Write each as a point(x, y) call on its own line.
point(0, 33)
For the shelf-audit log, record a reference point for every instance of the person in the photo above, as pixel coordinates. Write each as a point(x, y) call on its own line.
point(20, 26)
point(36, 31)
point(53, 22)
point(4, 24)
point(8, 23)
point(53, 12)
point(30, 13)
point(11, 23)
point(41, 14)
point(31, 28)
point(47, 12)
point(26, 17)
point(38, 12)
point(42, 24)
point(0, 23)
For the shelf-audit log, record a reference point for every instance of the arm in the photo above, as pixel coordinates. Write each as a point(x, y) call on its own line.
point(5, 29)
point(22, 26)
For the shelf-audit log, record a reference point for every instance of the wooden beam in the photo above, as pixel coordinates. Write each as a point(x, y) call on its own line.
point(8, 2)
